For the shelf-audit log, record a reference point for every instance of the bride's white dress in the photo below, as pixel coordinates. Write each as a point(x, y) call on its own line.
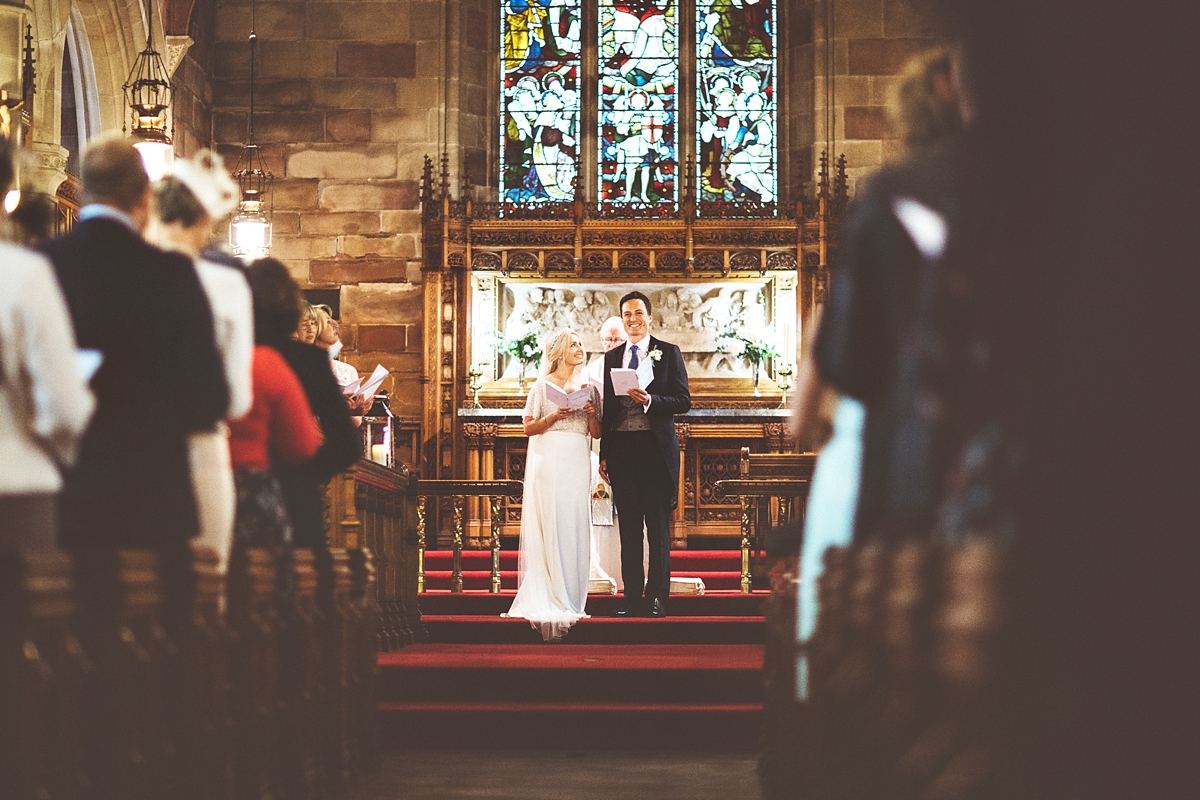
point(552, 581)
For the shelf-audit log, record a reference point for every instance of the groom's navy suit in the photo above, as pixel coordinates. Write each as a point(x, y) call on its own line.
point(643, 466)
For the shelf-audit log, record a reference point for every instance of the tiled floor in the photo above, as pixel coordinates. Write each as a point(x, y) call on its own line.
point(564, 776)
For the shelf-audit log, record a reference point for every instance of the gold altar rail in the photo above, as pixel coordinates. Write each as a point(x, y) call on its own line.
point(748, 490)
point(783, 479)
point(460, 491)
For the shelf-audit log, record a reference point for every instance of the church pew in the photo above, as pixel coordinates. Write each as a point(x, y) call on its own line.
point(254, 672)
point(365, 747)
point(42, 668)
point(337, 636)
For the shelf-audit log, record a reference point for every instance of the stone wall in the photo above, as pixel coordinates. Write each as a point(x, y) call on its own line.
point(192, 101)
point(859, 48)
point(350, 97)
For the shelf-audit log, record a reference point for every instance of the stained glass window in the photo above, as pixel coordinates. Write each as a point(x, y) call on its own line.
point(638, 102)
point(539, 121)
point(735, 100)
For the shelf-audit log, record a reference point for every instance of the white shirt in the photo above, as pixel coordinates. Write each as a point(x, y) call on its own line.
point(233, 324)
point(45, 405)
point(645, 367)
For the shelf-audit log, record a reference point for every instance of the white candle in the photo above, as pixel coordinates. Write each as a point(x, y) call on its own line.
point(379, 453)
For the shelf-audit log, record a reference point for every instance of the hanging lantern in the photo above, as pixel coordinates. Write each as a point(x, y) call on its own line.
point(148, 95)
point(250, 230)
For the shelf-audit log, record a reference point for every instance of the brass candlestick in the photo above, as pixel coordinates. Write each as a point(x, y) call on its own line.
point(475, 374)
point(784, 374)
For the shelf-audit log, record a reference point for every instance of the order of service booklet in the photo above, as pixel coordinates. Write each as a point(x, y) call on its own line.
point(576, 399)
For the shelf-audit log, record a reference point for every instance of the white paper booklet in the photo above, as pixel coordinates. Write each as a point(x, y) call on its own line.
point(623, 380)
point(576, 399)
point(366, 386)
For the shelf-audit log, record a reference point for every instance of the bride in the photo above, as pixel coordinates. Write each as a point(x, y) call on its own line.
point(555, 526)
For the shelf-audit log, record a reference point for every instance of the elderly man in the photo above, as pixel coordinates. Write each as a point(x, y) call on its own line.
point(606, 539)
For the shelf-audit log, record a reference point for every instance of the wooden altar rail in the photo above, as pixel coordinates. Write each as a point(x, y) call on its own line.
point(903, 694)
point(109, 693)
point(459, 491)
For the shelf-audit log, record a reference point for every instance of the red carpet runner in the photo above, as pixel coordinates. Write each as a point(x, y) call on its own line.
point(691, 681)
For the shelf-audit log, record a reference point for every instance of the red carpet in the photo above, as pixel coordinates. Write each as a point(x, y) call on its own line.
point(691, 681)
point(487, 629)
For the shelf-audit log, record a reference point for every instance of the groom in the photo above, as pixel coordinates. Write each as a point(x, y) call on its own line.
point(639, 454)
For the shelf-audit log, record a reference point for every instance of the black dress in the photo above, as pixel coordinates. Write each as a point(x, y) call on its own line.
point(303, 485)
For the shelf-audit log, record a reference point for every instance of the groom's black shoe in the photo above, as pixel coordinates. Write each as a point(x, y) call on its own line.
point(628, 610)
point(658, 608)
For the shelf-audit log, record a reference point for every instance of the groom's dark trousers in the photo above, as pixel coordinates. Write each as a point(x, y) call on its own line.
point(641, 492)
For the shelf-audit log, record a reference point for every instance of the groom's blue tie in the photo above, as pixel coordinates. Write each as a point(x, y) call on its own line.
point(633, 358)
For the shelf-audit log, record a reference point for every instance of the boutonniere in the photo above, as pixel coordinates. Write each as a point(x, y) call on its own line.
point(655, 354)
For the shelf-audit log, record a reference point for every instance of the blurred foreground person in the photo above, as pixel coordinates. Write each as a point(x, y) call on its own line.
point(45, 403)
point(196, 193)
point(303, 484)
point(875, 477)
point(162, 378)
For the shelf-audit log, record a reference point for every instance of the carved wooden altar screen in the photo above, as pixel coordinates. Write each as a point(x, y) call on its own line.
point(493, 270)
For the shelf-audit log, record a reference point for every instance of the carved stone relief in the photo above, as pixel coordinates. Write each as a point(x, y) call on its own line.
point(690, 315)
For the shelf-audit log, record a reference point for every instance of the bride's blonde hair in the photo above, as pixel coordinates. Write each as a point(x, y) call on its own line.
point(556, 350)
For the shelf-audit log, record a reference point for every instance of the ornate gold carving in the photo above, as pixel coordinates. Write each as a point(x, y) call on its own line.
point(522, 259)
point(598, 262)
point(634, 238)
point(820, 285)
point(774, 433)
point(682, 432)
point(781, 261)
point(523, 238)
point(485, 260)
point(745, 260)
point(731, 237)
point(633, 261)
point(560, 260)
point(670, 261)
point(456, 260)
point(481, 434)
point(709, 259)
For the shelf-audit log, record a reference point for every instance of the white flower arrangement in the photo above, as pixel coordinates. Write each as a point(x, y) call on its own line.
point(655, 354)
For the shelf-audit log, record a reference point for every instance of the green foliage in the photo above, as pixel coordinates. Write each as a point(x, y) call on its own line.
point(755, 351)
point(525, 348)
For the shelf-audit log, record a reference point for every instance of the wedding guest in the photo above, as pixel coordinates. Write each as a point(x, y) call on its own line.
point(196, 193)
point(162, 378)
point(307, 327)
point(278, 429)
point(277, 298)
point(329, 340)
point(45, 404)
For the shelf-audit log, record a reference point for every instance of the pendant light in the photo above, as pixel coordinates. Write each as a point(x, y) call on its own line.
point(148, 95)
point(250, 230)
